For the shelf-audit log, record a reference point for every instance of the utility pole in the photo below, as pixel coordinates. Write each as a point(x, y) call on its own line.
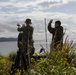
point(45, 33)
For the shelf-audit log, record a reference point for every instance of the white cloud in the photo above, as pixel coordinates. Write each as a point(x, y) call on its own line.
point(72, 0)
point(5, 4)
point(18, 11)
point(37, 3)
point(74, 18)
point(13, 0)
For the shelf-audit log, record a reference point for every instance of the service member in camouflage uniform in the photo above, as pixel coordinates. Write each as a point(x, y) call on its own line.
point(57, 32)
point(27, 40)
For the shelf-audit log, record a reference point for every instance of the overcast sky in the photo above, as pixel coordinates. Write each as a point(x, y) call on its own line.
point(16, 11)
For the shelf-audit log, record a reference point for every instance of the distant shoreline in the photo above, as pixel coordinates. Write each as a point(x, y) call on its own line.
point(3, 39)
point(10, 39)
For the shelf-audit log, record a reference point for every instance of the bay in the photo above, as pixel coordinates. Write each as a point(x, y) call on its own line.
point(9, 47)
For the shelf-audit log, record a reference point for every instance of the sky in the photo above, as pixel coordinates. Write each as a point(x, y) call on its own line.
point(13, 12)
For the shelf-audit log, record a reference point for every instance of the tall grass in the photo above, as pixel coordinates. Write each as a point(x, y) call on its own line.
point(57, 62)
point(12, 56)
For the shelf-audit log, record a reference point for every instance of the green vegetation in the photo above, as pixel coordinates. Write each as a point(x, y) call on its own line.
point(12, 56)
point(5, 65)
point(57, 62)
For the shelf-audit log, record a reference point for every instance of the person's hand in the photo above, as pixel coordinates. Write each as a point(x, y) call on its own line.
point(18, 25)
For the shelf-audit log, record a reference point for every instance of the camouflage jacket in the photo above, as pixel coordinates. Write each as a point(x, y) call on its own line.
point(27, 33)
point(57, 33)
point(19, 40)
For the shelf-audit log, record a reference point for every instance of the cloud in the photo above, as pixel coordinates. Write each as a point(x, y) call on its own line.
point(15, 11)
point(26, 4)
point(72, 0)
point(6, 4)
point(38, 15)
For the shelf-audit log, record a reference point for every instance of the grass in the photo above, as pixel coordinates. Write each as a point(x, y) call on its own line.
point(57, 62)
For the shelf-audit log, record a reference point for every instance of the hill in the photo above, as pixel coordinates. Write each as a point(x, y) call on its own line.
point(3, 39)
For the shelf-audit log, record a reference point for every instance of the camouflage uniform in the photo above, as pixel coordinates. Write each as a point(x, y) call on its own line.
point(27, 36)
point(57, 38)
point(27, 43)
point(19, 43)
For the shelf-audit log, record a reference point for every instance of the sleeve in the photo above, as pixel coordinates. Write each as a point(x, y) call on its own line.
point(20, 29)
point(30, 32)
point(50, 29)
point(32, 29)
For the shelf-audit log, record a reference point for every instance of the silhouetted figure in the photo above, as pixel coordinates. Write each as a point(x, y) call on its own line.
point(20, 60)
point(17, 62)
point(18, 57)
point(57, 32)
point(19, 43)
point(27, 40)
point(26, 48)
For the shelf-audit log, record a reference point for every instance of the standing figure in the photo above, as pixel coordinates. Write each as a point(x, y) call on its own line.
point(57, 32)
point(17, 63)
point(19, 43)
point(27, 41)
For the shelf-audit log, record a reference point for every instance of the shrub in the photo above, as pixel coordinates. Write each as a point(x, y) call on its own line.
point(12, 56)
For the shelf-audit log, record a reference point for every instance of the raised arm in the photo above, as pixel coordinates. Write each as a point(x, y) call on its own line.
point(50, 29)
point(19, 28)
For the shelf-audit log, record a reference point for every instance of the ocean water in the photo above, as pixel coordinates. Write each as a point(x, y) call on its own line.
point(8, 47)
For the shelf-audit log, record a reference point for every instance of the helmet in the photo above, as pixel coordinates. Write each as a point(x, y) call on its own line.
point(28, 21)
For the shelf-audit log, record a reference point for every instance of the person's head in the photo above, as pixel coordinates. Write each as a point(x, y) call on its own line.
point(57, 23)
point(28, 21)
